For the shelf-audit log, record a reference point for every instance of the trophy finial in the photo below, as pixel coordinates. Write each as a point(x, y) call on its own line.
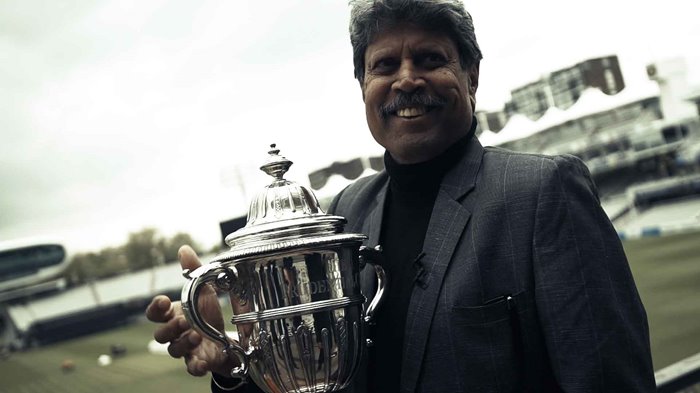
point(276, 165)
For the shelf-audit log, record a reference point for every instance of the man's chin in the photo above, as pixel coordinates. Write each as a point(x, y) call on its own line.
point(413, 148)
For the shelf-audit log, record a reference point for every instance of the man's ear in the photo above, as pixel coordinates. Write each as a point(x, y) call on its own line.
point(473, 80)
point(473, 72)
point(362, 88)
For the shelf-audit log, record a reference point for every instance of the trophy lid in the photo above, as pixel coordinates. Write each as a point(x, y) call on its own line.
point(284, 215)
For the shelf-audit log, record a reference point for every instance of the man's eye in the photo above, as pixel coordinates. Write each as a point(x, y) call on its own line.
point(432, 60)
point(384, 64)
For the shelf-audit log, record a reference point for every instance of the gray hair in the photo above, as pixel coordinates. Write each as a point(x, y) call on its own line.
point(369, 17)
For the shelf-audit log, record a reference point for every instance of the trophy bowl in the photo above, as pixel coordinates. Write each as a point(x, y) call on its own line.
point(292, 276)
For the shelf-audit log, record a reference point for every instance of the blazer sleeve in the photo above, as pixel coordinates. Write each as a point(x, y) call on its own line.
point(594, 323)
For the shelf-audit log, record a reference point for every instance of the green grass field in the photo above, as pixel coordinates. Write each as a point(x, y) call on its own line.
point(137, 371)
point(667, 271)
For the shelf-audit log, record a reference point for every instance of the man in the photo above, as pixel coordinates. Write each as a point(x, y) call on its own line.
point(506, 275)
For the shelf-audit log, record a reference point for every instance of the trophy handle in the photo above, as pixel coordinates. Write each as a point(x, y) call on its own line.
point(222, 278)
point(374, 257)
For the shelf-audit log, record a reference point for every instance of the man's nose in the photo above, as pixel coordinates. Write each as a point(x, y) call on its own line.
point(408, 78)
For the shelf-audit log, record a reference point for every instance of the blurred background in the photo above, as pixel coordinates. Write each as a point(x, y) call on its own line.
point(130, 128)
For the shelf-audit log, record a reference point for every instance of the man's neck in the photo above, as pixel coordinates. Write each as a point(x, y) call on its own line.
point(416, 177)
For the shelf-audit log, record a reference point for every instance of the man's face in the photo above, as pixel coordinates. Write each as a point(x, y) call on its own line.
point(418, 99)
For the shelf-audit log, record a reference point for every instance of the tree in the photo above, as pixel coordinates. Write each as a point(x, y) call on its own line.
point(146, 249)
point(139, 249)
point(143, 250)
point(172, 245)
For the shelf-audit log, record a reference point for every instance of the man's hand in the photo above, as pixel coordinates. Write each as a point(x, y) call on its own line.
point(201, 355)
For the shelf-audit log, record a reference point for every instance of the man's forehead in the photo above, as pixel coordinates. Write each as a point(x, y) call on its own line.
point(419, 34)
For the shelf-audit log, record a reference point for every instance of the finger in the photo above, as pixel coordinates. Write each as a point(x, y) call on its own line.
point(161, 309)
point(188, 258)
point(171, 331)
point(184, 345)
point(197, 367)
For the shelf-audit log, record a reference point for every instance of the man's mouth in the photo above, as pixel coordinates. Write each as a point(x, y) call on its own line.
point(412, 112)
point(409, 106)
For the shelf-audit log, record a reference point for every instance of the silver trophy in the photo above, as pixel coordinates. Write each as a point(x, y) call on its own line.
point(293, 279)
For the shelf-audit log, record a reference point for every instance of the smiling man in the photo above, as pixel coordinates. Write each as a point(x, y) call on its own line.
point(418, 97)
point(505, 273)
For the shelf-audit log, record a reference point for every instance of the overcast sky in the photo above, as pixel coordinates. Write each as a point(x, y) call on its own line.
point(121, 114)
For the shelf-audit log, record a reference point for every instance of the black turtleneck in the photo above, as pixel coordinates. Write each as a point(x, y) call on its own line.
point(409, 204)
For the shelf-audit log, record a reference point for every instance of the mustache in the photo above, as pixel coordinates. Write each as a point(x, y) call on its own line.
point(403, 100)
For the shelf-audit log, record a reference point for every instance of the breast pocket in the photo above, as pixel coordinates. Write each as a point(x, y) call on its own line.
point(488, 341)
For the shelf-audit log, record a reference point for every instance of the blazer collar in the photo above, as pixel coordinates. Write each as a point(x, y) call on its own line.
point(461, 179)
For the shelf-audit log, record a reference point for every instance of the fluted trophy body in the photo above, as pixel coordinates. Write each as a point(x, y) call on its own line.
point(292, 276)
point(302, 319)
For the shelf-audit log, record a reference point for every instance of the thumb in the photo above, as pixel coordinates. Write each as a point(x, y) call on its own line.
point(188, 258)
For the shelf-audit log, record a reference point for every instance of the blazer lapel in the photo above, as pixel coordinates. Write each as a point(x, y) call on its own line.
point(374, 221)
point(367, 207)
point(447, 223)
point(372, 228)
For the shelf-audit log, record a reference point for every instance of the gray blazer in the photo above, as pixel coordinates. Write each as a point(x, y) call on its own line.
point(526, 285)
